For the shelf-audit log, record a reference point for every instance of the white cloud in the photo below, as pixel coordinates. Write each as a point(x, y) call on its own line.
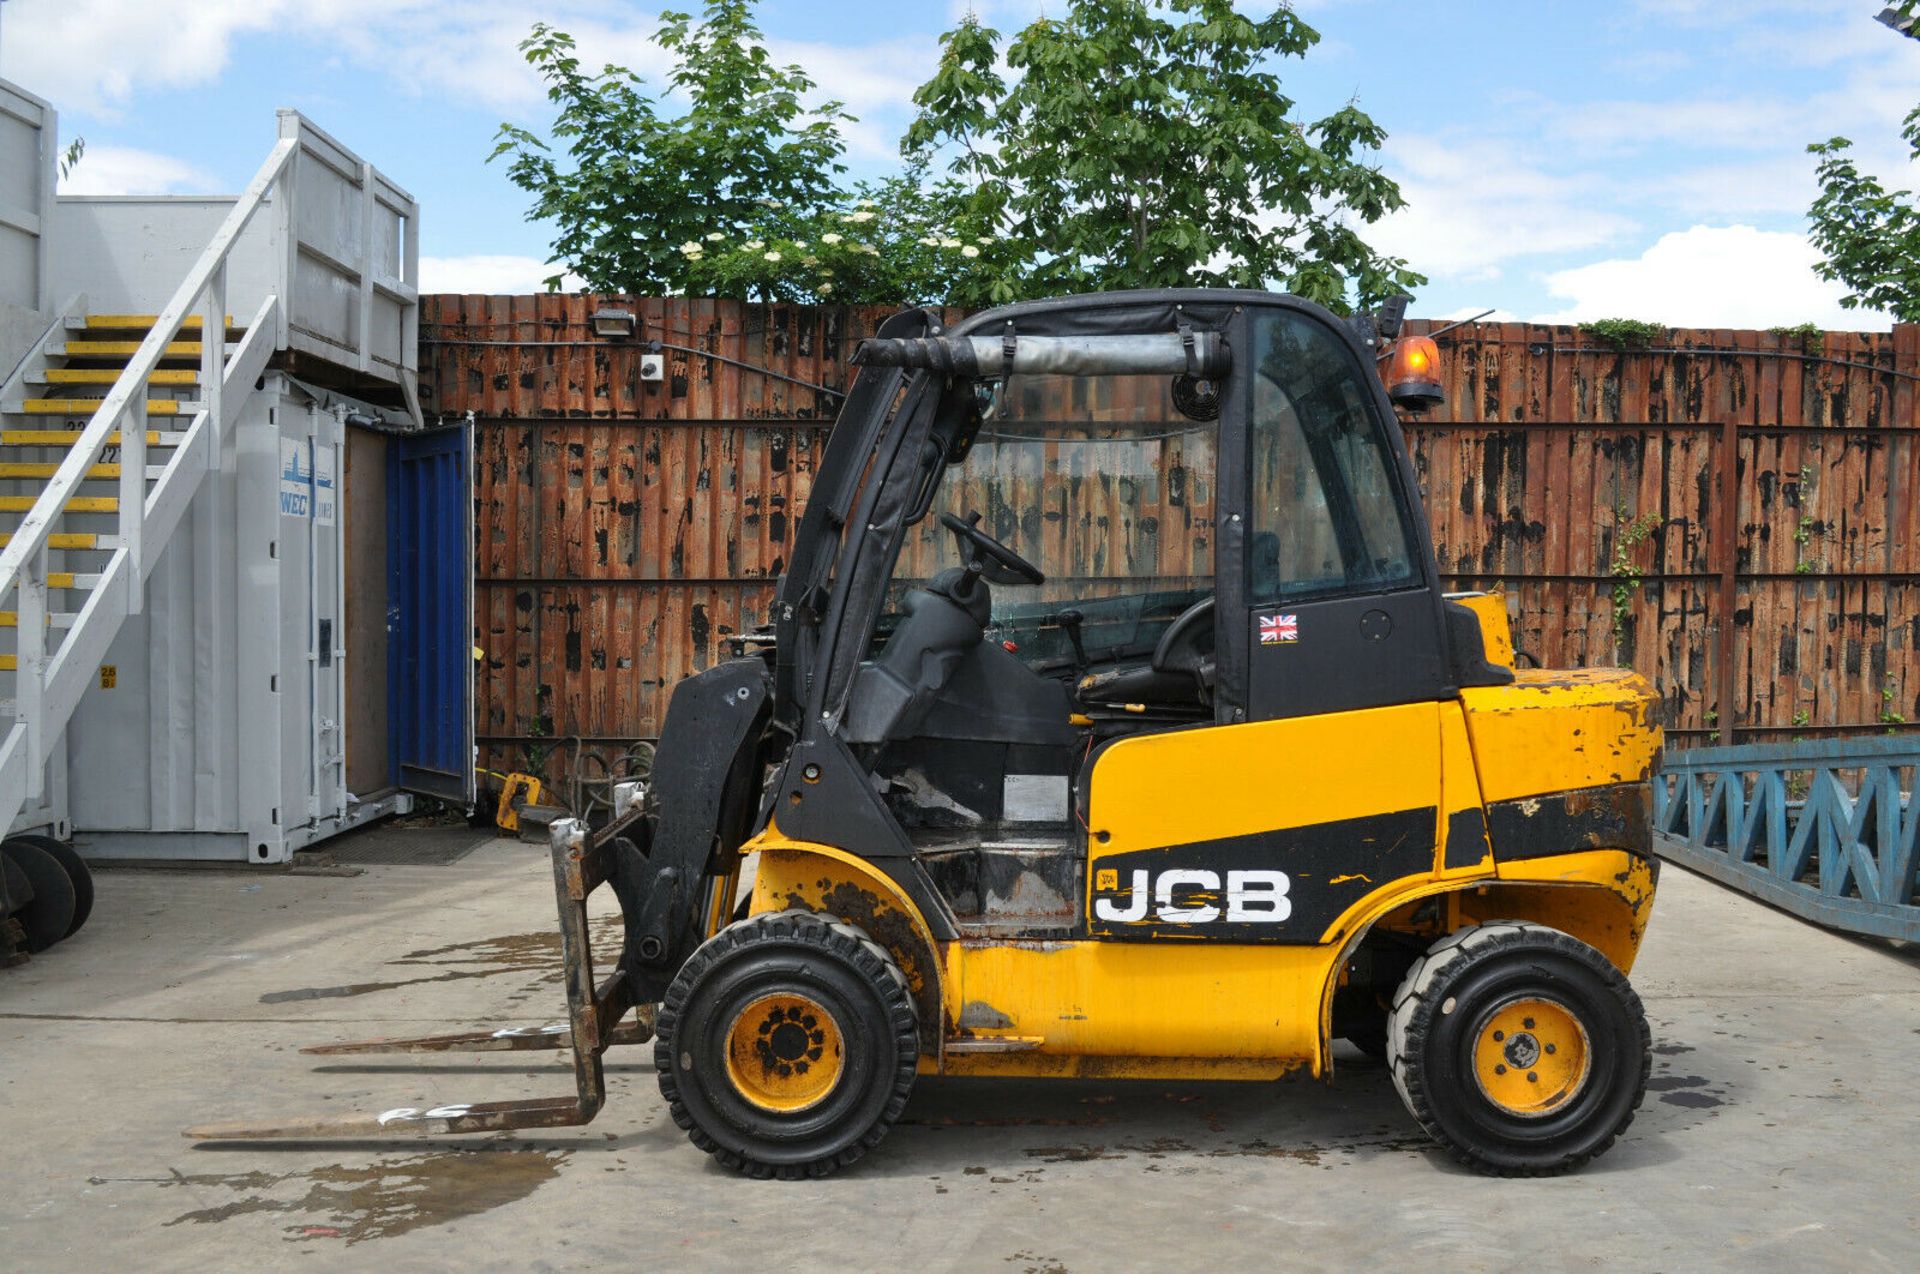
point(875, 82)
point(93, 54)
point(490, 274)
point(1473, 207)
point(1477, 313)
point(122, 170)
point(1710, 276)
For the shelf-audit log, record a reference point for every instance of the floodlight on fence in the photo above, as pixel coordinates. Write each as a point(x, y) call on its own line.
point(614, 322)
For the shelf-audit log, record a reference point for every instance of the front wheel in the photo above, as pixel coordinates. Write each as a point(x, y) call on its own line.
point(1519, 1048)
point(787, 1045)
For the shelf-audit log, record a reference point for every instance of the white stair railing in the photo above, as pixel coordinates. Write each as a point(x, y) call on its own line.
point(50, 679)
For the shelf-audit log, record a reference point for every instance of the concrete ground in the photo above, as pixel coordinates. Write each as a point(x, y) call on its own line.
point(1780, 1132)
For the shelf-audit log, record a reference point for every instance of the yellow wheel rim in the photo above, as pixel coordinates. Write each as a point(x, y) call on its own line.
point(784, 1053)
point(1531, 1057)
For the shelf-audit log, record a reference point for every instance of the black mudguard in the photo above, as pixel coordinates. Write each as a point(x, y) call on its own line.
point(701, 806)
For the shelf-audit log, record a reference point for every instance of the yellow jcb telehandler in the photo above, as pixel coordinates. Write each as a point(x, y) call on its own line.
point(1112, 722)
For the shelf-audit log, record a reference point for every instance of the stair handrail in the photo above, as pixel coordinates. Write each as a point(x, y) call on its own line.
point(125, 406)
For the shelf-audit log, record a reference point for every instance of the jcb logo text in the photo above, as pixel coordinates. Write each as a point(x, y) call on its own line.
point(1192, 896)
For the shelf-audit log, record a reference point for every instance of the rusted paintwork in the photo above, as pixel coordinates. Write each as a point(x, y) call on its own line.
point(1611, 915)
point(1553, 732)
point(1612, 816)
point(839, 884)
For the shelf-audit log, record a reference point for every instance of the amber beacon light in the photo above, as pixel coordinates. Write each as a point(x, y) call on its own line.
point(1413, 374)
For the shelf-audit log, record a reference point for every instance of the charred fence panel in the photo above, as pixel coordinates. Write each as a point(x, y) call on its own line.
point(1732, 513)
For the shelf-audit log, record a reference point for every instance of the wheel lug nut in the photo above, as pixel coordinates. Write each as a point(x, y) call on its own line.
point(1550, 1048)
point(1532, 1078)
point(1499, 1070)
point(1498, 1036)
point(1528, 1024)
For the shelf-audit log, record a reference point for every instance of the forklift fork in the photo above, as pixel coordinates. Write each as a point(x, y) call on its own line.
point(583, 860)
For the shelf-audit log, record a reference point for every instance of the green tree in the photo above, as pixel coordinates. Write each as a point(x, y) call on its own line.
point(633, 187)
point(1148, 145)
point(1143, 145)
point(901, 240)
point(1869, 236)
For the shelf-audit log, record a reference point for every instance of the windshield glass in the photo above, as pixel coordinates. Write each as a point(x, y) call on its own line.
point(1104, 484)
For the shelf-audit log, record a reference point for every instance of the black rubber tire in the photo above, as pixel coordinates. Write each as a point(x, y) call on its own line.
point(47, 917)
point(836, 965)
point(77, 871)
point(1431, 1033)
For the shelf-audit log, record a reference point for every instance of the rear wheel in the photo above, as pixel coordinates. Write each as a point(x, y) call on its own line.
point(787, 1045)
point(48, 916)
point(77, 872)
point(1519, 1048)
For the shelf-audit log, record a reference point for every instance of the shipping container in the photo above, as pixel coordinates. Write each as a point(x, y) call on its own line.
point(249, 709)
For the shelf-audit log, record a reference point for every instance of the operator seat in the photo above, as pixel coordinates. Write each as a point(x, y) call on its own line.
point(1141, 684)
point(1177, 681)
point(894, 691)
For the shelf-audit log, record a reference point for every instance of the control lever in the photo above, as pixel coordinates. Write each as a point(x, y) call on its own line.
point(1071, 621)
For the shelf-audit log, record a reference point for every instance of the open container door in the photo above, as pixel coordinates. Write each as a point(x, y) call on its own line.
point(430, 612)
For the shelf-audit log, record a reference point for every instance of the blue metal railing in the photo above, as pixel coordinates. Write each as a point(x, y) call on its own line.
point(1825, 829)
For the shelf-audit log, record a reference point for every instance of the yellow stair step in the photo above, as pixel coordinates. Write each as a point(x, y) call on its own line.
point(55, 619)
point(62, 540)
point(67, 437)
point(126, 349)
point(56, 579)
point(87, 406)
point(107, 376)
point(79, 504)
point(193, 321)
point(14, 469)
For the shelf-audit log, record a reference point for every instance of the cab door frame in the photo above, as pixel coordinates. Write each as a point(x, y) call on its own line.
point(1332, 675)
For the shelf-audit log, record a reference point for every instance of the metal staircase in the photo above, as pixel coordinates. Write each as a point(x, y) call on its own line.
point(112, 422)
point(37, 431)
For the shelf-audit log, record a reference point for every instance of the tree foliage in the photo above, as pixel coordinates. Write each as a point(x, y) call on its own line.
point(634, 186)
point(1137, 143)
point(1147, 145)
point(1868, 236)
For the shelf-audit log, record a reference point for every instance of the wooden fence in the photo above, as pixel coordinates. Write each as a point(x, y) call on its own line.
point(1731, 512)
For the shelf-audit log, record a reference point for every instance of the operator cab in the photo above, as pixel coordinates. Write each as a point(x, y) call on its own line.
point(1101, 519)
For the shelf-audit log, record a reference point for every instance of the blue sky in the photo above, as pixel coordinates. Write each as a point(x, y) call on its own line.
point(1639, 158)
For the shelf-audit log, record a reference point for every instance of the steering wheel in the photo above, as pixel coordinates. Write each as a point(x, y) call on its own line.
point(988, 556)
point(1179, 646)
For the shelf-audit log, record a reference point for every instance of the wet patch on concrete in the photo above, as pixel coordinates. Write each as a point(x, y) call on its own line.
point(537, 953)
point(1069, 1154)
point(1313, 1155)
point(1691, 1091)
point(1692, 1100)
point(367, 988)
point(1031, 1263)
point(1667, 1083)
point(380, 1200)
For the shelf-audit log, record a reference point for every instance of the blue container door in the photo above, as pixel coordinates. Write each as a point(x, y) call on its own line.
point(430, 612)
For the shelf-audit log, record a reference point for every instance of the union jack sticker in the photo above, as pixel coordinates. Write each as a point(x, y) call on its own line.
point(1275, 629)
